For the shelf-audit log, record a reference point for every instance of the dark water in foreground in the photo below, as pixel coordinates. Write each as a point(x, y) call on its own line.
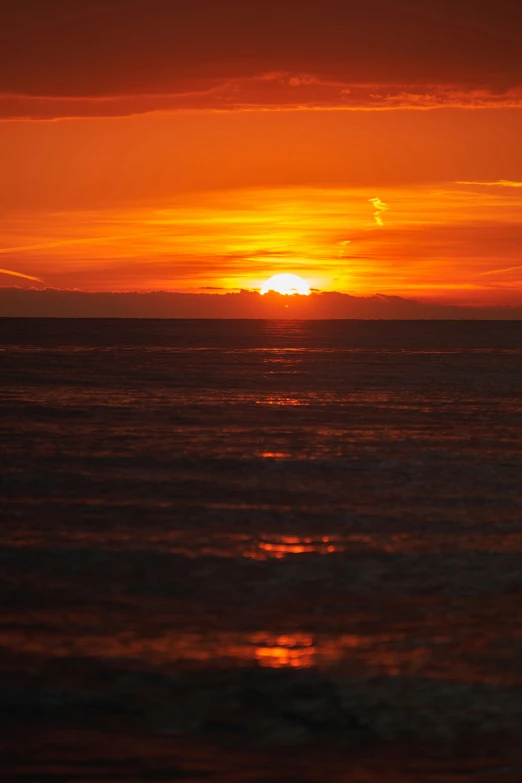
point(261, 551)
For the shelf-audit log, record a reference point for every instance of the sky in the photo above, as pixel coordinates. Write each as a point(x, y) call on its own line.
point(203, 146)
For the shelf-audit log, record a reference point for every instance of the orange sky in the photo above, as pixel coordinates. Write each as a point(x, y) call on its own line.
point(216, 166)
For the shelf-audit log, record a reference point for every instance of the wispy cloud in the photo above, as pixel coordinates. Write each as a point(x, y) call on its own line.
point(62, 243)
point(19, 274)
point(499, 183)
point(499, 271)
point(380, 208)
point(264, 91)
point(342, 247)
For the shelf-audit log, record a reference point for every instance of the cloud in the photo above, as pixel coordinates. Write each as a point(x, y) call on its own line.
point(500, 183)
point(269, 92)
point(343, 244)
point(301, 81)
point(159, 55)
point(20, 274)
point(64, 243)
point(245, 304)
point(380, 208)
point(500, 271)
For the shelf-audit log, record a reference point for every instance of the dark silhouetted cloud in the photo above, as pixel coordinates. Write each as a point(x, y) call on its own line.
point(18, 302)
point(111, 57)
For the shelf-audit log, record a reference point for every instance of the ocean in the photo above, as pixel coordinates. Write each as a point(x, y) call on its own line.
point(261, 550)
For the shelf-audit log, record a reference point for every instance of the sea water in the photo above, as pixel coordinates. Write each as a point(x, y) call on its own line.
point(275, 534)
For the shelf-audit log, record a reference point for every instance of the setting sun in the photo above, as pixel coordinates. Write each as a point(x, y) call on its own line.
point(286, 284)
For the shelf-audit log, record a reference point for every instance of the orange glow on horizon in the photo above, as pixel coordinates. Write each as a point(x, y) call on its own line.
point(430, 219)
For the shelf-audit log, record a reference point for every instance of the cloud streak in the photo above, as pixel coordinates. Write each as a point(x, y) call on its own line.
point(380, 208)
point(20, 274)
point(65, 243)
point(267, 92)
point(505, 270)
point(499, 183)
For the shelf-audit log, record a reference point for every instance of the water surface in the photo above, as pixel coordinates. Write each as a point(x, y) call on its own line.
point(275, 533)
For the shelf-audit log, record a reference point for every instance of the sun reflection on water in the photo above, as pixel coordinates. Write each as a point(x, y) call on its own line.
point(296, 651)
point(432, 652)
point(281, 546)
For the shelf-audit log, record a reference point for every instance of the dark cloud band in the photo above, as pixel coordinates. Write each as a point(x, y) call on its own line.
point(114, 58)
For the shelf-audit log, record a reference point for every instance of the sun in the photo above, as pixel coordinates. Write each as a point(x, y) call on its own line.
point(287, 285)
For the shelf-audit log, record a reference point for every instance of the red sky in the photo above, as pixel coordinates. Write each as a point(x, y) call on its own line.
point(370, 148)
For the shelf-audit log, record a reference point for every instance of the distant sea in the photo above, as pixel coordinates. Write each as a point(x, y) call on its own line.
point(261, 550)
